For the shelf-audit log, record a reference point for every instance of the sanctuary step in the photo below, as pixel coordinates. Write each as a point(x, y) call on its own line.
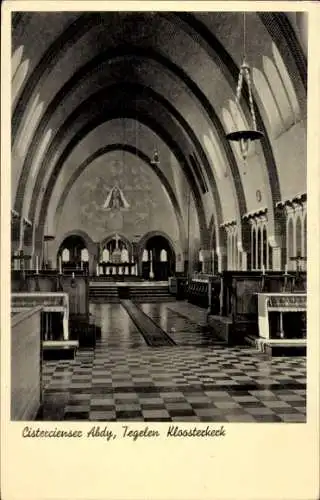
point(59, 349)
point(101, 291)
point(151, 293)
point(108, 292)
point(279, 347)
point(115, 278)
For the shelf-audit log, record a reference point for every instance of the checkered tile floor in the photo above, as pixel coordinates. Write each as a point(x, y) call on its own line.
point(184, 324)
point(124, 379)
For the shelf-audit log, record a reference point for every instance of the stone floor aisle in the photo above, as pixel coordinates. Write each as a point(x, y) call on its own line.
point(198, 380)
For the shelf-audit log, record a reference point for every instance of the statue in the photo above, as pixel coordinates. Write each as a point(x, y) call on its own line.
point(116, 200)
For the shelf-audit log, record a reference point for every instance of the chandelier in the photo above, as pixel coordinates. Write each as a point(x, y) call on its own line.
point(244, 137)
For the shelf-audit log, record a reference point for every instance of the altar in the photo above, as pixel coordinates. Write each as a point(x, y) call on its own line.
point(282, 315)
point(116, 259)
point(50, 302)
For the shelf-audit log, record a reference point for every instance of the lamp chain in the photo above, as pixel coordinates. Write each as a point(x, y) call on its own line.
point(254, 122)
point(244, 35)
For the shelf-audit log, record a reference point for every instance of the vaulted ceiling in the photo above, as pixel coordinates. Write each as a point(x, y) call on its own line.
point(85, 84)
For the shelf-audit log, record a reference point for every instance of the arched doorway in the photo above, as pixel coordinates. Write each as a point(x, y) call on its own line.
point(73, 254)
point(158, 259)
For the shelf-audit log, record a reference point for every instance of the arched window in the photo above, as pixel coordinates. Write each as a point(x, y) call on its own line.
point(290, 244)
point(65, 255)
point(286, 82)
point(200, 256)
point(214, 153)
point(30, 125)
point(145, 256)
point(124, 255)
point(163, 255)
point(265, 247)
point(235, 250)
point(254, 249)
point(238, 116)
point(268, 102)
point(16, 60)
point(84, 255)
point(41, 150)
point(270, 263)
point(278, 91)
point(18, 80)
point(259, 239)
point(298, 236)
point(231, 126)
point(105, 255)
point(213, 267)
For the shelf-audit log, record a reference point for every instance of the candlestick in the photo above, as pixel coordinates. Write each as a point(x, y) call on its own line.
point(73, 276)
point(286, 269)
point(263, 270)
point(37, 264)
point(60, 265)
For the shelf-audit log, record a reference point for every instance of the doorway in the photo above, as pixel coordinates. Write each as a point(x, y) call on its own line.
point(158, 259)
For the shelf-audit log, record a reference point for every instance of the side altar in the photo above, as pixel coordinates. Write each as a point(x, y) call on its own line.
point(282, 321)
point(54, 318)
point(282, 315)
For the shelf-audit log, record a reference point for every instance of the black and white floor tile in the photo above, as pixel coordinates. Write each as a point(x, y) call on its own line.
point(197, 380)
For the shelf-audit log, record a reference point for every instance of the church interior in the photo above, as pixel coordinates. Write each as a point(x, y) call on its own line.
point(159, 216)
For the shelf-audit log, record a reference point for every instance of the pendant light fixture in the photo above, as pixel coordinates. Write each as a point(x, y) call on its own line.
point(155, 160)
point(244, 137)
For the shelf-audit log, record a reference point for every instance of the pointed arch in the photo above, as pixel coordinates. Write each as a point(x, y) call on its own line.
point(84, 255)
point(286, 81)
point(268, 102)
point(278, 90)
point(18, 79)
point(65, 255)
point(290, 243)
point(16, 60)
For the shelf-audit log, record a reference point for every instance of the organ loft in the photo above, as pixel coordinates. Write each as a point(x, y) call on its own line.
point(159, 215)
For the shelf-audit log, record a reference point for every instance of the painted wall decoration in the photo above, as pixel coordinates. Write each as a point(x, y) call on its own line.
point(116, 200)
point(118, 192)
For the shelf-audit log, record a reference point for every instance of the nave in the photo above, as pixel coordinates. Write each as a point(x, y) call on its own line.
point(199, 379)
point(159, 215)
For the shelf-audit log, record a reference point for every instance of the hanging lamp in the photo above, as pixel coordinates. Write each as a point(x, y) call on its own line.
point(155, 160)
point(244, 137)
